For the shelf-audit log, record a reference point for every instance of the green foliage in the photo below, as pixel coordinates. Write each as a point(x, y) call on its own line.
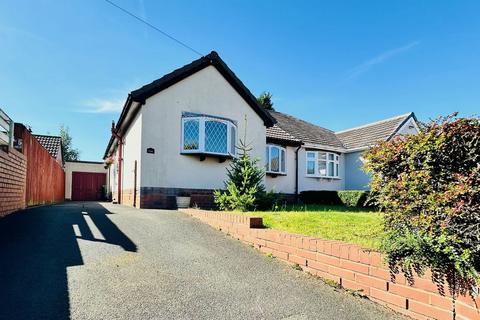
point(349, 198)
point(353, 198)
point(244, 183)
point(429, 187)
point(265, 100)
point(68, 152)
point(269, 201)
point(320, 197)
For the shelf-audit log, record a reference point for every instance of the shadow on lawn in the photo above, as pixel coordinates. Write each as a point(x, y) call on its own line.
point(36, 247)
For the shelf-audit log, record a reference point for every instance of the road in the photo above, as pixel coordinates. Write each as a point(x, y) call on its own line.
point(104, 261)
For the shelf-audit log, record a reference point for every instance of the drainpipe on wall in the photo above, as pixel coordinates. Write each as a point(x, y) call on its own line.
point(119, 143)
point(296, 173)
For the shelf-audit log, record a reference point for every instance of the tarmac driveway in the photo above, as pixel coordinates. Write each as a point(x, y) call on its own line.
point(103, 261)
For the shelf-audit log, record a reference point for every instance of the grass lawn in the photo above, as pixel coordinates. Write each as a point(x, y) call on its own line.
point(353, 225)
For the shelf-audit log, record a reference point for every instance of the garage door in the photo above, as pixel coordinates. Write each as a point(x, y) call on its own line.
point(87, 186)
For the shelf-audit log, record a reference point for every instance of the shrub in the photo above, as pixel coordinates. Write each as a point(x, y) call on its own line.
point(269, 201)
point(244, 184)
point(320, 197)
point(353, 198)
point(429, 187)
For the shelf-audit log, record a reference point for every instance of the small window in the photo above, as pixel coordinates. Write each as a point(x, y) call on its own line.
point(311, 159)
point(208, 135)
point(191, 135)
point(322, 164)
point(275, 158)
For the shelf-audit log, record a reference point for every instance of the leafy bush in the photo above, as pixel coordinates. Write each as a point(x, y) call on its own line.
point(320, 197)
point(244, 184)
point(269, 201)
point(429, 186)
point(353, 198)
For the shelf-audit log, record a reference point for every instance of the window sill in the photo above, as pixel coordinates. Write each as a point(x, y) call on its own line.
point(323, 177)
point(275, 174)
point(203, 155)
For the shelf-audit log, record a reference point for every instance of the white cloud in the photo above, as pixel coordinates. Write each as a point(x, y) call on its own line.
point(384, 56)
point(103, 105)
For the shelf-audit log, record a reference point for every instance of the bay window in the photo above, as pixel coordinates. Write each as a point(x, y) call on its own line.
point(275, 159)
point(322, 164)
point(209, 135)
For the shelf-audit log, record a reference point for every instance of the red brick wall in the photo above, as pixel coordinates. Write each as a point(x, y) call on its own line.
point(13, 170)
point(348, 265)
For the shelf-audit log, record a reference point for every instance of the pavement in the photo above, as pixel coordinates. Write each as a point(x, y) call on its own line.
point(102, 261)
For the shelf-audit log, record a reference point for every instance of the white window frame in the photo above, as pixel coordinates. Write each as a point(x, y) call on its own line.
point(316, 159)
point(231, 150)
point(281, 149)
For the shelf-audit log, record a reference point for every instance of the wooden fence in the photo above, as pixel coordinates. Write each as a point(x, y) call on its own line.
point(45, 179)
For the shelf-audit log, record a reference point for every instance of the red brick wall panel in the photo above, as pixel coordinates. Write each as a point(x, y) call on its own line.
point(348, 265)
point(13, 172)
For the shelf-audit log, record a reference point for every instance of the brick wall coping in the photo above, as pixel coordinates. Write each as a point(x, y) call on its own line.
point(349, 265)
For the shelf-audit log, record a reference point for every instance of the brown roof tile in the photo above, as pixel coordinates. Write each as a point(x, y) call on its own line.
point(51, 143)
point(289, 128)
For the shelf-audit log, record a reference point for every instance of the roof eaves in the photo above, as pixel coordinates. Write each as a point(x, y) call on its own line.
point(324, 147)
point(287, 142)
point(213, 59)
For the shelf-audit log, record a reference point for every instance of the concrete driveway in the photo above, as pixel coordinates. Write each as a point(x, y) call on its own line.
point(103, 261)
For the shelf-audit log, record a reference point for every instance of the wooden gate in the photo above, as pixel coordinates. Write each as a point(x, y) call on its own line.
point(87, 186)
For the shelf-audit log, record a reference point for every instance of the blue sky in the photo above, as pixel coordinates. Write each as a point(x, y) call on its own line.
point(336, 64)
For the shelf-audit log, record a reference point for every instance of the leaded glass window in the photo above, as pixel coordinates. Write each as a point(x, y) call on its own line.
point(215, 136)
point(208, 135)
point(191, 135)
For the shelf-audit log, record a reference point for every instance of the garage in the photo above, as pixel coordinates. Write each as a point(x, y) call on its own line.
point(85, 180)
point(87, 186)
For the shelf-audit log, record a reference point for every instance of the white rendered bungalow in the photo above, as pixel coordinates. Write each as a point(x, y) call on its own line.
point(177, 135)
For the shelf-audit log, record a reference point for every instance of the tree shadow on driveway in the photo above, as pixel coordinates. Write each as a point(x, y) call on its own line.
point(36, 247)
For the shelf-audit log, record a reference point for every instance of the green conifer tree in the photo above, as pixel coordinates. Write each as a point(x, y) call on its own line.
point(244, 184)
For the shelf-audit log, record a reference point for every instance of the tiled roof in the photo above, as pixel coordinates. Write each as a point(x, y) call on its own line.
point(51, 143)
point(292, 129)
point(278, 133)
point(211, 59)
point(369, 134)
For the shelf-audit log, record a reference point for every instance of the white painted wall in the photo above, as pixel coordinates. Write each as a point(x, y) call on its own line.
point(60, 157)
point(112, 185)
point(205, 92)
point(132, 150)
point(80, 167)
point(284, 183)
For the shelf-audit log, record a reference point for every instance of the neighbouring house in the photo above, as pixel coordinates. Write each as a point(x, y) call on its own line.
point(53, 144)
point(177, 135)
point(359, 139)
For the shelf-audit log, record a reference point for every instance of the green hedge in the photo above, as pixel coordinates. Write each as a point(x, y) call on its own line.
point(349, 198)
point(353, 198)
point(320, 197)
